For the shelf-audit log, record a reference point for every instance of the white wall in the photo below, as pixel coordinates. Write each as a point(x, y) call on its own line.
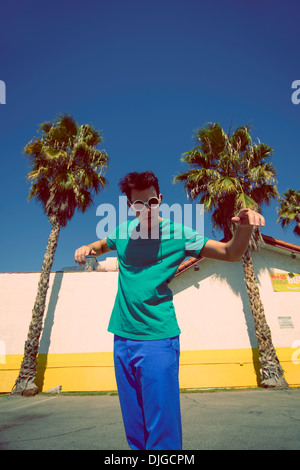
point(76, 315)
point(212, 307)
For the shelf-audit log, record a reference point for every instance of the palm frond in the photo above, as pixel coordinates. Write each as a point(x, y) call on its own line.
point(225, 184)
point(244, 201)
point(289, 210)
point(240, 139)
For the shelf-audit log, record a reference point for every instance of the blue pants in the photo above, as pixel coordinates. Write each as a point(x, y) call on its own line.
point(148, 386)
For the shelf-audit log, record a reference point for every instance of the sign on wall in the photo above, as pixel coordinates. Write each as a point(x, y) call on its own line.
point(285, 322)
point(285, 282)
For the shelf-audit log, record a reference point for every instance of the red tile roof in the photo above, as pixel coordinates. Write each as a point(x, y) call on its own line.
point(281, 244)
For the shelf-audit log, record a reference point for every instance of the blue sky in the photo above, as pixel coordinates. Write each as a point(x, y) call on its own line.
point(147, 73)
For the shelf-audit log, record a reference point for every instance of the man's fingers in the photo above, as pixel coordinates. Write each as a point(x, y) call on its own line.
point(79, 257)
point(249, 217)
point(256, 219)
point(81, 253)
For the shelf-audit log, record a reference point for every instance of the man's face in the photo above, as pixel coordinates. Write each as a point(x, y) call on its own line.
point(147, 215)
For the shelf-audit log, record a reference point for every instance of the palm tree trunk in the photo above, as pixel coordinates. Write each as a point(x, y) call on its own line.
point(25, 382)
point(271, 371)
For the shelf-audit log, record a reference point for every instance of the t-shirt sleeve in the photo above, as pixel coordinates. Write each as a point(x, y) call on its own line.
point(194, 242)
point(111, 240)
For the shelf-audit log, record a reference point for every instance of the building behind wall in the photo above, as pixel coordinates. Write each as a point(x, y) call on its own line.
point(218, 341)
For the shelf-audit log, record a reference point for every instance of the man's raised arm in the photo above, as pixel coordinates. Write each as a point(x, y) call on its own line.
point(236, 247)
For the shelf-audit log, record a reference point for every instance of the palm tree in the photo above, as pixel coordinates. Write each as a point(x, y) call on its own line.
point(231, 173)
point(289, 210)
point(66, 170)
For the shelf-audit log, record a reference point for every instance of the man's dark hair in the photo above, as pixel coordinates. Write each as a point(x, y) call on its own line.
point(138, 181)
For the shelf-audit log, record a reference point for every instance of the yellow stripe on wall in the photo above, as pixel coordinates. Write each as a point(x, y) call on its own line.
point(198, 369)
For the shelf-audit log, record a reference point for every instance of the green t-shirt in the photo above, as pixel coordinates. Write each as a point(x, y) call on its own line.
point(143, 308)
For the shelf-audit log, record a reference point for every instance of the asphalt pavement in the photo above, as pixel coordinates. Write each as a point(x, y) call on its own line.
point(223, 420)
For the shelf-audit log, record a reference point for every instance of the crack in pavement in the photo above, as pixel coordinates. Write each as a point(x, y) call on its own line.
point(49, 437)
point(58, 435)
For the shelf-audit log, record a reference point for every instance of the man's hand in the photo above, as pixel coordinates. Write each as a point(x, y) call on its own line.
point(82, 252)
point(249, 218)
point(97, 248)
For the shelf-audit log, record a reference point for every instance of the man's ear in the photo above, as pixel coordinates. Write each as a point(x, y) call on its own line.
point(160, 197)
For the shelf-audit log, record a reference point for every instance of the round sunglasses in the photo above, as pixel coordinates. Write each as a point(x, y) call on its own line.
point(138, 206)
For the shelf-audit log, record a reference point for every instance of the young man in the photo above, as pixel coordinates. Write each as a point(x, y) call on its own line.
point(143, 321)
